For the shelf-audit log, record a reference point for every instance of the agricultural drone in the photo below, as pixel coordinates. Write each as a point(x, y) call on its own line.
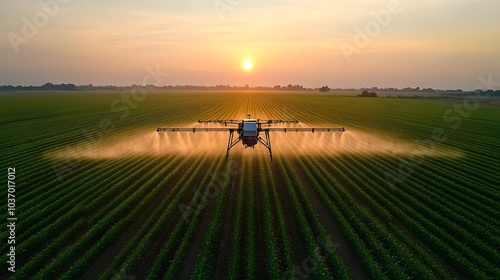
point(248, 131)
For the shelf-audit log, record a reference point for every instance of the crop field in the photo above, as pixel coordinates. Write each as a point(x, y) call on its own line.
point(409, 191)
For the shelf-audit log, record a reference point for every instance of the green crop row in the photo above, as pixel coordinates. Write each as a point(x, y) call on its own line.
point(111, 218)
point(206, 261)
point(155, 222)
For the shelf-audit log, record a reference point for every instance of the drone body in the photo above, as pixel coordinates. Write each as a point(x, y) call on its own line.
point(249, 131)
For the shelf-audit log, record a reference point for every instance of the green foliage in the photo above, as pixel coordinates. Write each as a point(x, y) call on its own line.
point(84, 218)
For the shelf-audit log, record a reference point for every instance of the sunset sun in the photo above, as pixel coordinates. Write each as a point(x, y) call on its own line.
point(248, 65)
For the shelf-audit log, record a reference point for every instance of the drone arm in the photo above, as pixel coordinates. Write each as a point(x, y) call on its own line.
point(231, 121)
point(267, 142)
point(269, 122)
point(311, 129)
point(192, 129)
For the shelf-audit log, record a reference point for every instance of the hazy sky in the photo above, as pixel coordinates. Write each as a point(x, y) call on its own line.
point(342, 43)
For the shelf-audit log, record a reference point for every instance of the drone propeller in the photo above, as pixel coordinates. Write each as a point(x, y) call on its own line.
point(269, 122)
point(225, 122)
point(308, 129)
point(279, 121)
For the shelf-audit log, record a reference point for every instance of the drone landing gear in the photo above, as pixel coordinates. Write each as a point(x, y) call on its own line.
point(231, 142)
point(267, 143)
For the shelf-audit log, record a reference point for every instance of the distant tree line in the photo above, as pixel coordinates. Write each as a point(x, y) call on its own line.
point(47, 86)
point(90, 87)
point(324, 89)
point(490, 91)
point(366, 93)
point(404, 96)
point(406, 89)
point(289, 87)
